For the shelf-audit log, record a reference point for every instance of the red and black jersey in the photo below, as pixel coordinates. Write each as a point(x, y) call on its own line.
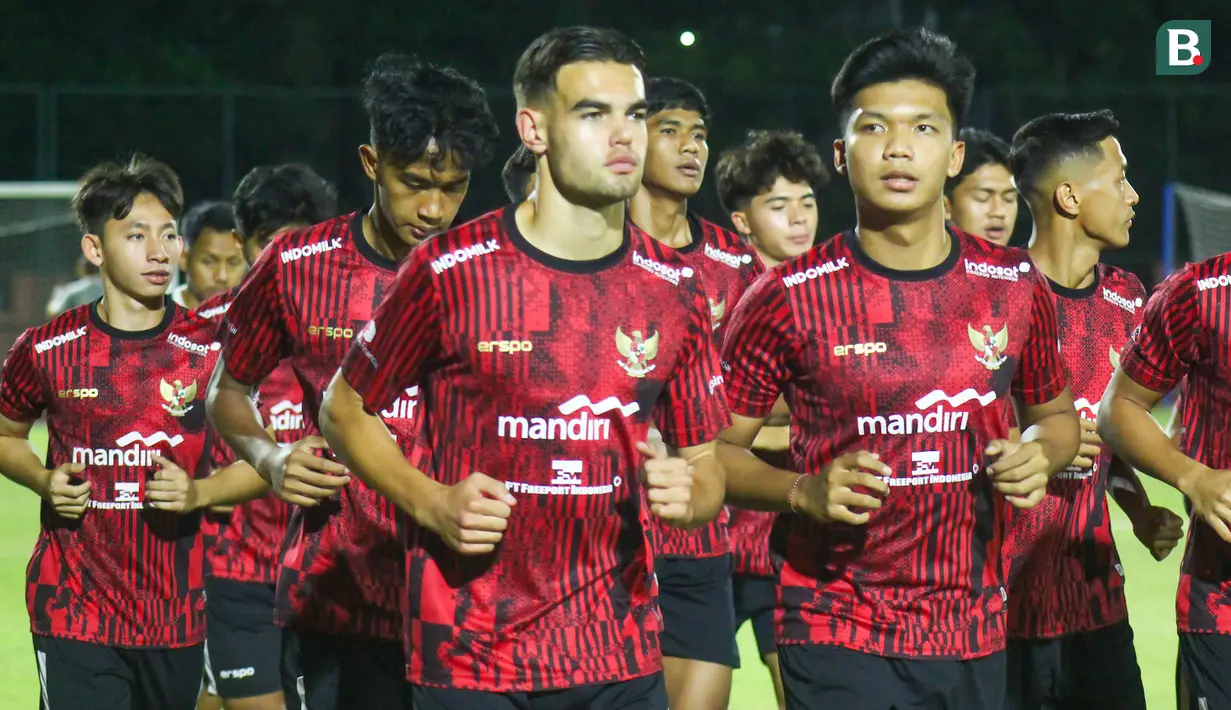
point(1071, 580)
point(125, 574)
point(918, 367)
point(727, 266)
point(1186, 333)
point(542, 373)
point(305, 299)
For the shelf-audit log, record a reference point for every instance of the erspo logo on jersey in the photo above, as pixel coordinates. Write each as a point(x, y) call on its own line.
point(44, 345)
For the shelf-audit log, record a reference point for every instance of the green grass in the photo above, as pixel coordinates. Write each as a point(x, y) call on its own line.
point(1151, 598)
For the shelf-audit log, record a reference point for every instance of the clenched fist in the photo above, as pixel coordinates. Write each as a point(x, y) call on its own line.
point(68, 500)
point(831, 495)
point(668, 482)
point(171, 489)
point(470, 517)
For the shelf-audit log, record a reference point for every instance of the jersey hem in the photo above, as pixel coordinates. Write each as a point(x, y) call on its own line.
point(997, 646)
point(195, 640)
point(487, 685)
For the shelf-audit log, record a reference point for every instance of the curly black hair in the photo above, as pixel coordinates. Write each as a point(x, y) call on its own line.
point(906, 54)
point(752, 168)
point(109, 189)
point(666, 92)
point(1050, 139)
point(411, 103)
point(535, 76)
point(271, 197)
point(518, 174)
point(982, 148)
point(215, 215)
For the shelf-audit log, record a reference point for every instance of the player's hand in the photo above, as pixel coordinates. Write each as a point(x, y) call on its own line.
point(668, 481)
point(1159, 529)
point(1019, 471)
point(834, 495)
point(1091, 445)
point(470, 517)
point(68, 500)
point(1209, 490)
point(171, 489)
point(302, 478)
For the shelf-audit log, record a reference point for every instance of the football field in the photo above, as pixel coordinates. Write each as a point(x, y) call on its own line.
point(1151, 596)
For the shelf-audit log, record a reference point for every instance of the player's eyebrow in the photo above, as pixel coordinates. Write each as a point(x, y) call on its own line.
point(146, 225)
point(592, 105)
point(921, 116)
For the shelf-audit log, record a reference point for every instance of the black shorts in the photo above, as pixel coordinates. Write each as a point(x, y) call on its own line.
point(816, 676)
point(698, 609)
point(243, 647)
point(755, 599)
point(342, 672)
point(75, 675)
point(1204, 660)
point(647, 693)
point(1092, 669)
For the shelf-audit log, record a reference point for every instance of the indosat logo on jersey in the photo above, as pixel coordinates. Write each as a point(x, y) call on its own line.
point(1182, 47)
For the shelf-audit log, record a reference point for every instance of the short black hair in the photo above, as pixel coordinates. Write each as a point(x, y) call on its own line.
point(411, 103)
point(211, 214)
point(270, 197)
point(752, 168)
point(535, 76)
point(982, 148)
point(518, 174)
point(664, 93)
point(1048, 140)
point(109, 189)
point(903, 54)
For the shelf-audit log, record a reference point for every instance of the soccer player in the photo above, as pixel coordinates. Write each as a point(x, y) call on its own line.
point(114, 586)
point(694, 566)
point(982, 199)
point(768, 185)
point(518, 175)
point(213, 254)
point(308, 295)
point(243, 650)
point(898, 346)
point(1070, 642)
point(548, 336)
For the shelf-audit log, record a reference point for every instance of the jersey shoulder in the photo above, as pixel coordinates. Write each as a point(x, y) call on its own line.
point(298, 245)
point(827, 257)
point(975, 249)
point(216, 306)
point(66, 327)
point(481, 235)
point(726, 240)
point(1122, 282)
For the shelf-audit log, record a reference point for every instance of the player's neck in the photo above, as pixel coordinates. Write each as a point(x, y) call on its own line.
point(769, 261)
point(381, 236)
point(191, 302)
point(1064, 254)
point(123, 312)
point(570, 231)
point(917, 244)
point(662, 216)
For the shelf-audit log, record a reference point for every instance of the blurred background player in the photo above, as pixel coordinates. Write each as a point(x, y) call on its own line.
point(243, 648)
point(343, 569)
point(115, 590)
point(769, 185)
point(869, 337)
point(982, 198)
point(213, 260)
point(545, 528)
point(1070, 642)
point(693, 566)
point(85, 288)
point(518, 175)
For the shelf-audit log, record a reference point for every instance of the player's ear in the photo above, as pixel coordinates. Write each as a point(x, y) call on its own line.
point(1065, 200)
point(531, 128)
point(369, 158)
point(92, 249)
point(839, 156)
point(740, 220)
point(956, 157)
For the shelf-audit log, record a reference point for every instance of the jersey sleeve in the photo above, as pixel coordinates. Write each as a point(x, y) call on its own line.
point(255, 331)
point(22, 395)
point(692, 408)
point(1167, 343)
point(402, 341)
point(1040, 372)
point(758, 344)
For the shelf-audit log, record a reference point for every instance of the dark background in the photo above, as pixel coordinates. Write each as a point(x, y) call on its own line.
point(217, 88)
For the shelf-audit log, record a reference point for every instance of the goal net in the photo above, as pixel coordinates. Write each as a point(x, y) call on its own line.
point(1206, 224)
point(39, 250)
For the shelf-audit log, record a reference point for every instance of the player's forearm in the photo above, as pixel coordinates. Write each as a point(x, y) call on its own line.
point(230, 485)
point(752, 483)
point(1059, 434)
point(709, 489)
point(1127, 489)
point(234, 416)
point(772, 438)
point(20, 464)
point(1134, 435)
point(363, 444)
